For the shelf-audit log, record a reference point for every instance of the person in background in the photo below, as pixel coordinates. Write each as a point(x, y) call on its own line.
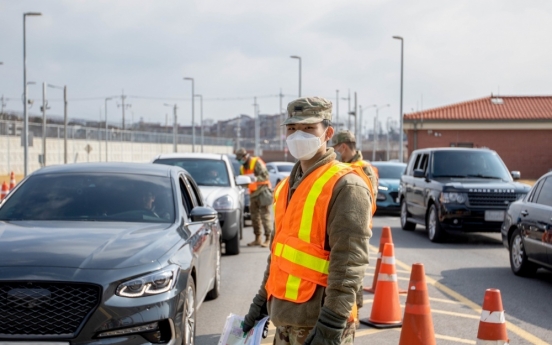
point(319, 251)
point(260, 195)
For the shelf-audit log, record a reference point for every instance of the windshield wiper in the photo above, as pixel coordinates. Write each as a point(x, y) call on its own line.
point(485, 176)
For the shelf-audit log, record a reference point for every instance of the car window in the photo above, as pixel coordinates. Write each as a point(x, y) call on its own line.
point(186, 199)
point(195, 193)
point(413, 166)
point(545, 194)
point(284, 168)
point(270, 169)
point(478, 164)
point(392, 172)
point(205, 172)
point(535, 192)
point(422, 164)
point(92, 197)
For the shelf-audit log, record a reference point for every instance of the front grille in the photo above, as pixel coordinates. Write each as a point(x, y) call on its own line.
point(491, 199)
point(45, 309)
point(394, 195)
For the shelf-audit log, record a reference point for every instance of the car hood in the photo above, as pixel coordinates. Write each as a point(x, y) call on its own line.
point(210, 193)
point(486, 184)
point(392, 184)
point(83, 245)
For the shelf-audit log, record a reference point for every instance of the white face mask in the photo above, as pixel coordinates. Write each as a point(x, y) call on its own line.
point(302, 145)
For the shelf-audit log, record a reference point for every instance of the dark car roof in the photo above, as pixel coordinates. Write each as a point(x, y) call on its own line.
point(122, 168)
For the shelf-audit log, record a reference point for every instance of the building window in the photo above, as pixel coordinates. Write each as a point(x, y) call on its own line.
point(470, 145)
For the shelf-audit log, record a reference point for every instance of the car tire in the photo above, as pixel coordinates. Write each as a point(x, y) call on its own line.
point(233, 245)
point(215, 291)
point(405, 224)
point(520, 264)
point(189, 314)
point(435, 232)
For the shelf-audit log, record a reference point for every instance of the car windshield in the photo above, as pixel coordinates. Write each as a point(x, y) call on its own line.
point(391, 172)
point(284, 168)
point(479, 164)
point(92, 197)
point(206, 172)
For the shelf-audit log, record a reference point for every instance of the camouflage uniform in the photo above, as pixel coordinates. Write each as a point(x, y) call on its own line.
point(290, 335)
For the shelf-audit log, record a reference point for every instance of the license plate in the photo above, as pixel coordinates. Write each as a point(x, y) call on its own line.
point(494, 216)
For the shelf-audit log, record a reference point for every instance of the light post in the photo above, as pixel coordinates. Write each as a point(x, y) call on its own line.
point(64, 88)
point(43, 108)
point(106, 129)
point(401, 106)
point(299, 58)
point(25, 115)
point(193, 117)
point(201, 119)
point(375, 147)
point(361, 110)
point(175, 126)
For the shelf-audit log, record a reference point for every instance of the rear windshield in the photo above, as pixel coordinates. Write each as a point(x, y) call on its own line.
point(284, 168)
point(478, 164)
point(92, 197)
point(392, 172)
point(206, 172)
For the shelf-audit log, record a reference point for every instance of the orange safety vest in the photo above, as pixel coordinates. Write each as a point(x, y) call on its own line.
point(299, 261)
point(251, 170)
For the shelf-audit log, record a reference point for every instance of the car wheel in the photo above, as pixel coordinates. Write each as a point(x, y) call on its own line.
point(519, 263)
point(434, 231)
point(405, 224)
point(215, 291)
point(189, 324)
point(233, 245)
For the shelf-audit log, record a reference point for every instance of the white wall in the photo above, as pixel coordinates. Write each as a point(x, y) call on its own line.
point(11, 152)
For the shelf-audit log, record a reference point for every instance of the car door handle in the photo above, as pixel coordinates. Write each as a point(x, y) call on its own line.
point(524, 213)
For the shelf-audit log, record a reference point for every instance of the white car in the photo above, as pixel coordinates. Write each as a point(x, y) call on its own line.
point(278, 171)
point(220, 189)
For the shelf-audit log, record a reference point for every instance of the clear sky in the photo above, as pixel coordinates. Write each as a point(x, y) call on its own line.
point(453, 51)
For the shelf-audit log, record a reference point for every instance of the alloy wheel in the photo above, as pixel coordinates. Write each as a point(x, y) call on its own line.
point(517, 252)
point(432, 223)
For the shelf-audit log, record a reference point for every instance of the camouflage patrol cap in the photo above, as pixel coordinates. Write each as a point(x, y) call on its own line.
point(240, 153)
point(308, 110)
point(344, 136)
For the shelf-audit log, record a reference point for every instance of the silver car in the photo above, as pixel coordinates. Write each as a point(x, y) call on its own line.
point(278, 171)
point(220, 188)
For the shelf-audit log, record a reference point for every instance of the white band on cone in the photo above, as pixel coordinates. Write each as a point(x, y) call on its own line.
point(491, 342)
point(493, 316)
point(387, 277)
point(390, 260)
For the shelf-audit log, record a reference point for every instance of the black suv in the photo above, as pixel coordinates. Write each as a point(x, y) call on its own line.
point(457, 189)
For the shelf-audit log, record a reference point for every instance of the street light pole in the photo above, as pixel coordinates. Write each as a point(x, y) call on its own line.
point(25, 115)
point(106, 129)
point(193, 116)
point(44, 106)
point(299, 58)
point(201, 119)
point(375, 147)
point(64, 88)
point(401, 106)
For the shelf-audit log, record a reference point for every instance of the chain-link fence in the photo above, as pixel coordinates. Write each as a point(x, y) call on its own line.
point(88, 144)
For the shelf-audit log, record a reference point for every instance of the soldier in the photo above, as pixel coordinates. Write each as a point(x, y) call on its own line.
point(260, 195)
point(345, 145)
point(319, 251)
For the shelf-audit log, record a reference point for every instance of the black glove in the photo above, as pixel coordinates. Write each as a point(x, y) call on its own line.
point(257, 311)
point(328, 330)
point(360, 298)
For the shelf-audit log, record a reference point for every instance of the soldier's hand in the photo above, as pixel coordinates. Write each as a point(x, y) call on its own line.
point(257, 310)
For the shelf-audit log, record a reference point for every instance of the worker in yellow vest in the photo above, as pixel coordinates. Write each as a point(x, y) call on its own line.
point(319, 252)
point(260, 195)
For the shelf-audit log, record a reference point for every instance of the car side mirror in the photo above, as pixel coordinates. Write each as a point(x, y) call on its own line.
point(202, 214)
point(243, 180)
point(419, 173)
point(516, 175)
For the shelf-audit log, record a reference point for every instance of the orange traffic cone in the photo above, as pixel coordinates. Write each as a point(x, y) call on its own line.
point(417, 322)
point(385, 238)
point(492, 325)
point(5, 190)
point(12, 181)
point(386, 309)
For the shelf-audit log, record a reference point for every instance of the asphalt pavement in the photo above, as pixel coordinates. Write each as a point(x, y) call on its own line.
point(457, 274)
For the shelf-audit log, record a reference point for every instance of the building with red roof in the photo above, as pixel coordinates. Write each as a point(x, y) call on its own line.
point(518, 128)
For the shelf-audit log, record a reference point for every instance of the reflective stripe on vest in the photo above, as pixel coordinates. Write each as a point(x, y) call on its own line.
point(298, 260)
point(251, 171)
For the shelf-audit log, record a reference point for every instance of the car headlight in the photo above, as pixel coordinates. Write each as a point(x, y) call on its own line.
point(225, 202)
point(448, 198)
point(151, 284)
point(383, 188)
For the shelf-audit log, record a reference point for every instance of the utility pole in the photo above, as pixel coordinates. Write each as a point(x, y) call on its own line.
point(356, 117)
point(106, 129)
point(43, 108)
point(123, 106)
point(65, 120)
point(175, 130)
point(281, 121)
point(256, 117)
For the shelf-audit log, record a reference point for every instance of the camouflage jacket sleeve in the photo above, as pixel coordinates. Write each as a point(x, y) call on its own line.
point(372, 176)
point(260, 171)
